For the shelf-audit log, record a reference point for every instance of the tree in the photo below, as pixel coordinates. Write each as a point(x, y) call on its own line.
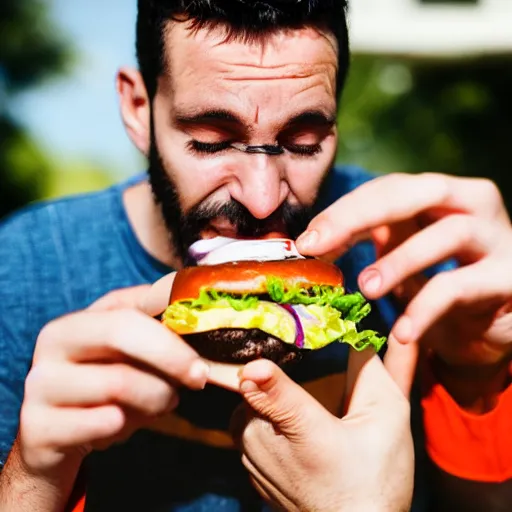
point(31, 50)
point(447, 116)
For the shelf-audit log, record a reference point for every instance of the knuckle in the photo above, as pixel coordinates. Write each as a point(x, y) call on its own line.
point(105, 425)
point(397, 261)
point(37, 378)
point(48, 337)
point(440, 285)
point(250, 433)
point(463, 228)
point(438, 184)
point(161, 398)
point(441, 281)
point(120, 384)
point(29, 416)
point(490, 191)
point(445, 284)
point(394, 177)
point(48, 334)
point(112, 300)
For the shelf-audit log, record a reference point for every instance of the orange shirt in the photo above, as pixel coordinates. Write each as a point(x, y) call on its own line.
point(468, 446)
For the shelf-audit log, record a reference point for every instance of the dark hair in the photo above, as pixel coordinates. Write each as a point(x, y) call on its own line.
point(243, 19)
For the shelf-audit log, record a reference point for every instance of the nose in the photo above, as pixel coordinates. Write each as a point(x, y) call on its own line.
point(259, 184)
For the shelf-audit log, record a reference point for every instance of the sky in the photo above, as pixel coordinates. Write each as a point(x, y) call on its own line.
point(78, 115)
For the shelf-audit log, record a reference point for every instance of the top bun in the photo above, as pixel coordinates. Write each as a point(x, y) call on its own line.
point(251, 277)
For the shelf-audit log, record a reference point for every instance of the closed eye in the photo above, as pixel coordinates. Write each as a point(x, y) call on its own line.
point(304, 149)
point(208, 147)
point(216, 147)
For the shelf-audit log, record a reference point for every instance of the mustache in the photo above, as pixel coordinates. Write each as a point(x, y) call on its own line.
point(292, 219)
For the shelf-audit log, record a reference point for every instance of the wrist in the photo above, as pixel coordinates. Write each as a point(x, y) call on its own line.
point(475, 388)
point(24, 488)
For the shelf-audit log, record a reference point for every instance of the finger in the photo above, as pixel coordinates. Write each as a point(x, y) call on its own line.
point(388, 238)
point(66, 428)
point(500, 331)
point(158, 296)
point(371, 388)
point(94, 385)
point(356, 362)
point(93, 336)
point(123, 298)
point(455, 235)
point(478, 283)
point(369, 207)
point(275, 397)
point(401, 362)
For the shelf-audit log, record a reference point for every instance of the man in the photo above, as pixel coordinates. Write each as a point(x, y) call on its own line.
point(235, 106)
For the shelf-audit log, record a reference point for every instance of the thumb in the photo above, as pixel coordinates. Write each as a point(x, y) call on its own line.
point(276, 398)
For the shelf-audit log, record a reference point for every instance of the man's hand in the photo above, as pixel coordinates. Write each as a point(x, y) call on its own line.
point(98, 376)
point(300, 457)
point(417, 221)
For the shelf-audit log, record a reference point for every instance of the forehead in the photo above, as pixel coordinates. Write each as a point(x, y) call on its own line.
point(287, 69)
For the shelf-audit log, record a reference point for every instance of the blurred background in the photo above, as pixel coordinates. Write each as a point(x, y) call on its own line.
point(430, 90)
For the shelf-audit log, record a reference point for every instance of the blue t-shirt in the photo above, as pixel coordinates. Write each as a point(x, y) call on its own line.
point(59, 257)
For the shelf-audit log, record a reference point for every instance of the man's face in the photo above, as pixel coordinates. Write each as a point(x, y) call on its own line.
point(216, 92)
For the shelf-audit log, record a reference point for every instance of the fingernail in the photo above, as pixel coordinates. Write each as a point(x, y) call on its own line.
point(403, 330)
point(308, 240)
point(372, 281)
point(199, 372)
point(248, 386)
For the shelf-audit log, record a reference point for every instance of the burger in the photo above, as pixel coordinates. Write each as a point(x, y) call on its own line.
point(250, 299)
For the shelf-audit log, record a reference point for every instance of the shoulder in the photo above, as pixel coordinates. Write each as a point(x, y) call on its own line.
point(53, 246)
point(46, 215)
point(64, 212)
point(43, 215)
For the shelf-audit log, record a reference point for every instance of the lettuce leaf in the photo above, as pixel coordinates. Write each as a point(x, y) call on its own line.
point(353, 306)
point(210, 297)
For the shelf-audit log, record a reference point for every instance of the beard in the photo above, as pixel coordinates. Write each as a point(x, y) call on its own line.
point(185, 228)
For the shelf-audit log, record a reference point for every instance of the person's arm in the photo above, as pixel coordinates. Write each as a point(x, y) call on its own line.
point(301, 457)
point(463, 314)
point(468, 424)
point(22, 490)
point(73, 406)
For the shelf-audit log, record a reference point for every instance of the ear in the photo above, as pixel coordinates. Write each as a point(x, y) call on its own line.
point(135, 107)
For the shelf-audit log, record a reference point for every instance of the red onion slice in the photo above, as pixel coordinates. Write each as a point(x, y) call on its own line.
point(299, 338)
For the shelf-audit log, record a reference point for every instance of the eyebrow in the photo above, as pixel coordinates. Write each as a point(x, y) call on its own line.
point(312, 118)
point(316, 118)
point(207, 116)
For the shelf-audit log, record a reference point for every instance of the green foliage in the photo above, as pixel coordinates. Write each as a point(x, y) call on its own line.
point(31, 50)
point(447, 116)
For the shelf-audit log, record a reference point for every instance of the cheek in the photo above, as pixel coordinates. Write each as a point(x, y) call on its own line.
point(195, 178)
point(306, 175)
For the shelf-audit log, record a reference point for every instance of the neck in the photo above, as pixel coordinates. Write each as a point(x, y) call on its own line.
point(148, 224)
